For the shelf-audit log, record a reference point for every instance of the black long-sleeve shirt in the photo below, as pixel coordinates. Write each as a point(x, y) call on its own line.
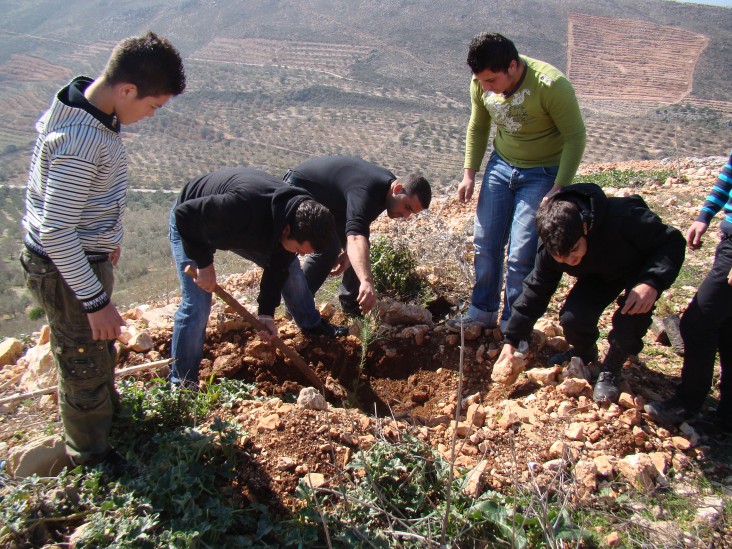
point(626, 242)
point(353, 189)
point(240, 209)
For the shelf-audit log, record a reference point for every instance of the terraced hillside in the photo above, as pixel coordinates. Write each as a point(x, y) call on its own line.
point(630, 59)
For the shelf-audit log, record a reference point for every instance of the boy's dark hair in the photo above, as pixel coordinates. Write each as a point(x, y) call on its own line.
point(313, 223)
point(560, 225)
point(491, 51)
point(416, 184)
point(150, 62)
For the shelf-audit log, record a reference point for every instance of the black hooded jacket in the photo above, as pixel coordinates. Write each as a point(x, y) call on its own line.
point(626, 243)
point(240, 209)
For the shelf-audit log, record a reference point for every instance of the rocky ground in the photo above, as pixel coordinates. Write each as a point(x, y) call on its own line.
point(407, 380)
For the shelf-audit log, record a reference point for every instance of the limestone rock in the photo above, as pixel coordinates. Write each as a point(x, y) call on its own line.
point(604, 465)
point(476, 415)
point(573, 387)
point(576, 369)
point(476, 480)
point(507, 370)
point(585, 474)
point(311, 399)
point(269, 423)
point(161, 317)
point(575, 432)
point(417, 332)
point(639, 470)
point(41, 370)
point(44, 457)
point(261, 351)
point(314, 480)
point(549, 328)
point(557, 344)
point(394, 313)
point(327, 310)
point(544, 376)
point(141, 342)
point(10, 351)
point(681, 443)
point(513, 413)
point(660, 461)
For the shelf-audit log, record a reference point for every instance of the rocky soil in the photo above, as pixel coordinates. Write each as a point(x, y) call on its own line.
point(525, 431)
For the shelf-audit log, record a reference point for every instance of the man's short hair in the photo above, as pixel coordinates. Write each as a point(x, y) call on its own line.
point(150, 62)
point(313, 223)
point(560, 225)
point(416, 184)
point(491, 51)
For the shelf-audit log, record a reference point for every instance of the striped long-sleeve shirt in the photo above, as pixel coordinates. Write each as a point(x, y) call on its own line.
point(76, 195)
point(720, 197)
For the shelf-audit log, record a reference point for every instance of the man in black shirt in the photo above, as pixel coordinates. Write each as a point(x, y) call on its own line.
point(356, 192)
point(259, 218)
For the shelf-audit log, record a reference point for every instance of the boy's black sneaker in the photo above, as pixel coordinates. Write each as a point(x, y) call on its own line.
point(607, 388)
point(670, 412)
point(326, 329)
point(566, 356)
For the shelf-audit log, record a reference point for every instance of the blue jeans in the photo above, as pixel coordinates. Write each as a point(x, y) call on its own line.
point(505, 214)
point(189, 327)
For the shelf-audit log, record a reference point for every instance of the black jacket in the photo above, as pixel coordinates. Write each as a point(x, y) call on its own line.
point(240, 209)
point(626, 243)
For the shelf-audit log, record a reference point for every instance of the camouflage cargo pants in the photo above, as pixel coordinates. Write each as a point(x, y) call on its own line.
point(86, 393)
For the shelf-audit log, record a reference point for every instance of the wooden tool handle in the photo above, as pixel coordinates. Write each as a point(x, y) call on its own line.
point(296, 359)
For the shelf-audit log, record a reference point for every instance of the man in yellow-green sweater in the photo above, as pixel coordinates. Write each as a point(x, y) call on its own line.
point(538, 146)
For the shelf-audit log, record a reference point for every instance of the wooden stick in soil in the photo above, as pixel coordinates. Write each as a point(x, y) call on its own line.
point(117, 373)
point(290, 353)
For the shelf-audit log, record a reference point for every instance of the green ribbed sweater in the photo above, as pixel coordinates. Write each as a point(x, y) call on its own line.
point(540, 124)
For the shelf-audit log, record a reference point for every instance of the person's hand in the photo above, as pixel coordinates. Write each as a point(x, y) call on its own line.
point(640, 300)
point(554, 190)
point(271, 331)
point(341, 264)
point(694, 234)
point(466, 187)
point(206, 278)
point(106, 323)
point(366, 296)
point(729, 277)
point(115, 255)
point(507, 352)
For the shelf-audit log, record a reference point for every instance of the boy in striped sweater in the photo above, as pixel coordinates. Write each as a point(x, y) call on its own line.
point(74, 206)
point(706, 325)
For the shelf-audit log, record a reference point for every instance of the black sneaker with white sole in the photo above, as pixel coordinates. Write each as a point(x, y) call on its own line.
point(326, 329)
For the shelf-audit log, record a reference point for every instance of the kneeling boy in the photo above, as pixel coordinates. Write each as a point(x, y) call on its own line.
point(615, 248)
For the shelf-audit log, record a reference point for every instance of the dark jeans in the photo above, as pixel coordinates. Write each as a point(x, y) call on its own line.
point(581, 312)
point(317, 267)
point(86, 393)
point(706, 327)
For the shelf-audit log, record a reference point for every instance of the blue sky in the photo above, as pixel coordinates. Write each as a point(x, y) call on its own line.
point(726, 3)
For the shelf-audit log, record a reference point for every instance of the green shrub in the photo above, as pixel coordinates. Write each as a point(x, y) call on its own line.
point(624, 178)
point(393, 266)
point(36, 313)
